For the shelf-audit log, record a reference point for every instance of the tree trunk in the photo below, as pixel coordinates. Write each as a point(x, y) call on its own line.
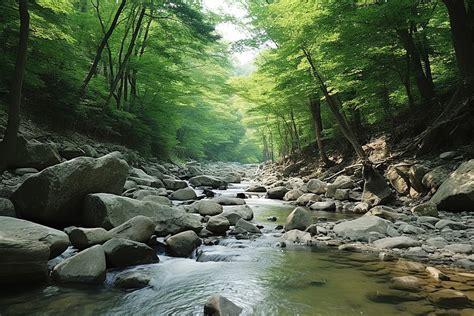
point(9, 143)
point(101, 47)
point(334, 107)
point(297, 136)
point(462, 40)
point(315, 107)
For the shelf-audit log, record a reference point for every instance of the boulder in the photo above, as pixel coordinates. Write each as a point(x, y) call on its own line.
point(376, 190)
point(459, 248)
point(88, 266)
point(218, 224)
point(415, 175)
point(256, 188)
point(388, 213)
point(132, 280)
point(23, 171)
point(360, 228)
point(407, 283)
point(316, 186)
point(277, 193)
point(361, 208)
point(425, 209)
point(139, 228)
point(144, 194)
point(34, 154)
point(174, 185)
point(184, 194)
point(397, 175)
point(434, 178)
point(449, 298)
point(183, 244)
point(297, 236)
point(298, 219)
point(55, 195)
point(122, 253)
point(173, 221)
point(71, 151)
point(21, 230)
point(218, 305)
point(83, 238)
point(23, 261)
point(208, 181)
point(7, 208)
point(232, 178)
point(163, 200)
point(225, 200)
point(327, 206)
point(399, 242)
point(341, 194)
point(206, 207)
point(243, 211)
point(247, 226)
point(308, 198)
point(456, 194)
point(293, 195)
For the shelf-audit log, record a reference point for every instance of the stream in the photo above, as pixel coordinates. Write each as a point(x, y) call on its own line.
point(255, 274)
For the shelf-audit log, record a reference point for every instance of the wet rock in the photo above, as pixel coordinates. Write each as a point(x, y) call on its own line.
point(171, 184)
point(243, 211)
point(224, 200)
point(297, 236)
point(292, 195)
point(247, 226)
point(19, 230)
point(411, 266)
point(88, 266)
point(307, 198)
point(456, 194)
point(139, 228)
point(360, 229)
point(298, 219)
point(407, 283)
point(183, 244)
point(399, 242)
point(316, 186)
point(55, 195)
point(277, 193)
point(218, 305)
point(425, 209)
point(173, 221)
point(207, 181)
point(256, 188)
point(327, 206)
point(272, 219)
point(132, 280)
point(205, 207)
point(123, 253)
point(393, 296)
point(449, 298)
point(83, 238)
point(437, 274)
point(183, 194)
point(459, 248)
point(7, 208)
point(416, 308)
point(218, 224)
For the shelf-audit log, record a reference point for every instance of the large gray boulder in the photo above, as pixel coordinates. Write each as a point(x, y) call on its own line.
point(183, 194)
point(218, 305)
point(456, 194)
point(7, 208)
point(277, 193)
point(206, 207)
point(247, 226)
point(122, 253)
point(226, 200)
point(55, 195)
point(293, 195)
point(208, 181)
point(298, 219)
point(174, 185)
point(132, 280)
point(88, 266)
point(237, 212)
point(218, 224)
point(140, 228)
point(362, 227)
point(173, 221)
point(307, 198)
point(22, 230)
point(376, 190)
point(83, 238)
point(33, 154)
point(183, 244)
point(23, 261)
point(316, 186)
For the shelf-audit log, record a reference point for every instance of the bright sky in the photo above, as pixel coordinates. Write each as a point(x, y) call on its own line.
point(231, 32)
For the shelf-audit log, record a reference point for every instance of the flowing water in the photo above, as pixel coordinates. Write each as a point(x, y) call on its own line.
point(255, 274)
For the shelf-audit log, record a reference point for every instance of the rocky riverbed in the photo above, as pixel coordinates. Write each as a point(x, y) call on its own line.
point(116, 223)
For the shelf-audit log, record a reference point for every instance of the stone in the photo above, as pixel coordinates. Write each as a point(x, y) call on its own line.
point(292, 195)
point(449, 298)
point(308, 198)
point(376, 190)
point(247, 226)
point(183, 244)
point(129, 184)
point(206, 207)
point(397, 175)
point(88, 266)
point(139, 229)
point(184, 194)
point(449, 223)
point(55, 195)
point(171, 184)
point(298, 219)
point(407, 283)
point(437, 274)
point(447, 155)
point(243, 211)
point(415, 175)
point(343, 182)
point(425, 209)
point(162, 200)
point(256, 188)
point(122, 253)
point(434, 178)
point(360, 228)
point(23, 171)
point(277, 193)
point(327, 206)
point(387, 213)
point(341, 194)
point(132, 280)
point(24, 231)
point(316, 186)
point(297, 236)
point(410, 229)
point(70, 151)
point(207, 181)
point(7, 208)
point(225, 200)
point(456, 194)
point(232, 178)
point(437, 242)
point(361, 208)
point(393, 296)
point(399, 242)
point(173, 221)
point(23, 261)
point(33, 154)
point(83, 238)
point(218, 305)
point(410, 266)
point(218, 224)
point(459, 248)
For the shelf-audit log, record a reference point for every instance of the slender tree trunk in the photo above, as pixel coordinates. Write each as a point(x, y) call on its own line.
point(405, 77)
point(109, 51)
point(315, 107)
point(462, 40)
point(101, 47)
point(297, 136)
point(8, 146)
point(334, 107)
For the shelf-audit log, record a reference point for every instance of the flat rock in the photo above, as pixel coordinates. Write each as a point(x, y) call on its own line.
point(247, 226)
point(360, 228)
point(323, 206)
point(206, 207)
point(139, 228)
point(123, 253)
point(399, 242)
point(449, 298)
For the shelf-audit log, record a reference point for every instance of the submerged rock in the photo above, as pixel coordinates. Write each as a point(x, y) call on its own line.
point(277, 193)
point(449, 298)
point(218, 305)
point(247, 226)
point(132, 280)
